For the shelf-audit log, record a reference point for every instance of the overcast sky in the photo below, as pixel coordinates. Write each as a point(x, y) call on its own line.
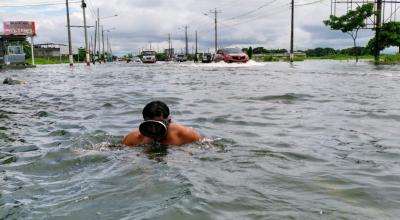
point(241, 23)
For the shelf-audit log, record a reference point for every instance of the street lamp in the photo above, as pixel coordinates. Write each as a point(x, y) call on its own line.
point(109, 16)
point(98, 23)
point(102, 36)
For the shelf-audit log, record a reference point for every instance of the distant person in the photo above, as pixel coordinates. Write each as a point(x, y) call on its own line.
point(157, 127)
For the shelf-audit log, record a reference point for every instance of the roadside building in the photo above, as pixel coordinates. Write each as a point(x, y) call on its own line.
point(11, 49)
point(12, 42)
point(48, 50)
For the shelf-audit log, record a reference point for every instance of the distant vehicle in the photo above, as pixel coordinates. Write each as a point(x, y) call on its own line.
point(180, 58)
point(137, 60)
point(206, 58)
point(231, 55)
point(149, 56)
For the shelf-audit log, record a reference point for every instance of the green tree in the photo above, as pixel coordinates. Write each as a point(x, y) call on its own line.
point(351, 22)
point(27, 49)
point(389, 36)
point(250, 52)
point(161, 56)
point(319, 52)
point(259, 50)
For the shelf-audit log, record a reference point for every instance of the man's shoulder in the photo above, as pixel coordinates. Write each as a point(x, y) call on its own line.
point(185, 132)
point(133, 138)
point(134, 134)
point(178, 127)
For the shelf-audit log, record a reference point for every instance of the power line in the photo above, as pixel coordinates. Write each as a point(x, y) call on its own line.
point(252, 11)
point(263, 16)
point(92, 9)
point(39, 4)
point(309, 3)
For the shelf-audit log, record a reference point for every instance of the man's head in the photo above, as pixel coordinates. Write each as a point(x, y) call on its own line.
point(156, 122)
point(155, 110)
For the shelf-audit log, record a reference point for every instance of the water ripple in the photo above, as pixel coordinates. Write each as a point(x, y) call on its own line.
point(312, 140)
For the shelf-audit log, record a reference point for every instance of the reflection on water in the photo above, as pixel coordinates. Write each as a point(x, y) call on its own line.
point(315, 140)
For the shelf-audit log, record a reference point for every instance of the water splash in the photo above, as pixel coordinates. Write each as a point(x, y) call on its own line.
point(250, 63)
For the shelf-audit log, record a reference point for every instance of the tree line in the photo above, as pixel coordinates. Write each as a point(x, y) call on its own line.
point(354, 20)
point(320, 52)
point(316, 52)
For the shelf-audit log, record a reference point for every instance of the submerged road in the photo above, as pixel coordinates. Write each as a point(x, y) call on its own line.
point(313, 140)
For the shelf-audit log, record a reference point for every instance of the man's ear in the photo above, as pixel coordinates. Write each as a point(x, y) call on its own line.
point(169, 119)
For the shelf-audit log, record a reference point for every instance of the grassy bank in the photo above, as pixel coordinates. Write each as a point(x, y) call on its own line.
point(390, 59)
point(42, 61)
point(269, 58)
point(384, 58)
point(341, 57)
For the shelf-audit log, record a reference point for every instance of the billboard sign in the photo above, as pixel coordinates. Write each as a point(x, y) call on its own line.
point(26, 28)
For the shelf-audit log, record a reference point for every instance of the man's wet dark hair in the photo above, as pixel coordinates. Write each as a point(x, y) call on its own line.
point(154, 109)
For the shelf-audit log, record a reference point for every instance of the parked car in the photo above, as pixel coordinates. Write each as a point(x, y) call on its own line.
point(207, 58)
point(149, 56)
point(231, 55)
point(180, 58)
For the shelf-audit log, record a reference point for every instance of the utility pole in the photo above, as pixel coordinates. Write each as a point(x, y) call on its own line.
point(196, 43)
point(172, 52)
point(378, 30)
point(95, 43)
point(216, 27)
point(292, 34)
point(195, 52)
point(98, 32)
point(169, 46)
point(216, 30)
point(85, 30)
point(186, 41)
point(32, 52)
point(102, 37)
point(90, 45)
point(108, 49)
point(111, 52)
point(71, 58)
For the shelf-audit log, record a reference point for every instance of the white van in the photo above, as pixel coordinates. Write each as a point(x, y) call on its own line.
point(149, 56)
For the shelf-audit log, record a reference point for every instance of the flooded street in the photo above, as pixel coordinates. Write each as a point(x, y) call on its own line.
point(313, 140)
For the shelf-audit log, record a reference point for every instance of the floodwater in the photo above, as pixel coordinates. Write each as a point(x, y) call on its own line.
point(313, 140)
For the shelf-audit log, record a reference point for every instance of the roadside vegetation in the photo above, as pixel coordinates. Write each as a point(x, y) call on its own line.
point(390, 59)
point(363, 53)
point(352, 22)
point(272, 58)
point(43, 61)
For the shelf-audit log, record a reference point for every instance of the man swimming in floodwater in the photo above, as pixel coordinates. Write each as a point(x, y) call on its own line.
point(158, 128)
